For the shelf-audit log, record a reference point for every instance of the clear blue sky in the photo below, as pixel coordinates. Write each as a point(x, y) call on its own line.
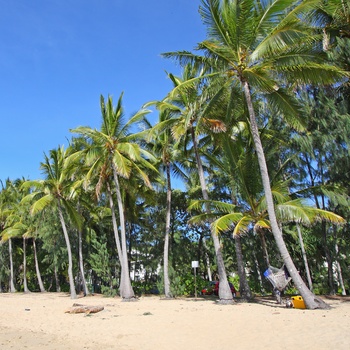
point(57, 58)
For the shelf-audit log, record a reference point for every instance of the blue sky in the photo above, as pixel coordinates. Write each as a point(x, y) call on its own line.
point(57, 58)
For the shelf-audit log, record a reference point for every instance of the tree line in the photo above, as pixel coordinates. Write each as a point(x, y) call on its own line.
point(255, 126)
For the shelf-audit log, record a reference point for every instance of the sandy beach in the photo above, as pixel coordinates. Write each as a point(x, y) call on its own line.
point(39, 321)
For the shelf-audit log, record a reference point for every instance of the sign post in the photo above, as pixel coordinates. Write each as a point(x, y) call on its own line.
point(195, 264)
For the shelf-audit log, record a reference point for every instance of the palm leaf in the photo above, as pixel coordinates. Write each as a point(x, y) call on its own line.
point(41, 203)
point(243, 225)
point(226, 222)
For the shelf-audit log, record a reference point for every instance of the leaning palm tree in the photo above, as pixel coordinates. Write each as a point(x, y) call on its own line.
point(56, 190)
point(261, 46)
point(112, 154)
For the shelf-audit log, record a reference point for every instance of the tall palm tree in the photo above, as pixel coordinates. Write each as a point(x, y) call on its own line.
point(112, 153)
point(57, 190)
point(263, 45)
point(164, 148)
point(192, 109)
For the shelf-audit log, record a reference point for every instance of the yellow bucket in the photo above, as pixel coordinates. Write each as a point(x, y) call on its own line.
point(298, 302)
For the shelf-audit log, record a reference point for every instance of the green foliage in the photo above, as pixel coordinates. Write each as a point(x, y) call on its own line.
point(145, 287)
point(182, 284)
point(234, 280)
point(102, 265)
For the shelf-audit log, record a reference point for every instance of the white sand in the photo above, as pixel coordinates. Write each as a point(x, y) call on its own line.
point(39, 321)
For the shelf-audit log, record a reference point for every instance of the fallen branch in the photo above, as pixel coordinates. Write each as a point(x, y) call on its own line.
point(78, 309)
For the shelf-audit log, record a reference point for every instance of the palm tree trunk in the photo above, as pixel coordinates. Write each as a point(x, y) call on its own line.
point(128, 293)
point(25, 282)
point(225, 294)
point(12, 285)
point(244, 288)
point(303, 252)
point(167, 232)
point(38, 274)
point(73, 293)
point(116, 236)
point(81, 264)
point(311, 301)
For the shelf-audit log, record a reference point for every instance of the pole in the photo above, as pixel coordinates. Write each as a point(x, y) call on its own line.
point(195, 284)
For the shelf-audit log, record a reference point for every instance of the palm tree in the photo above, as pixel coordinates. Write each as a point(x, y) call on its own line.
point(9, 201)
point(262, 46)
point(163, 146)
point(192, 109)
point(111, 154)
point(57, 190)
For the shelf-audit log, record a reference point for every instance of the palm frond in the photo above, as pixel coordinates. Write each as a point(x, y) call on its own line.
point(122, 165)
point(226, 222)
point(243, 225)
point(41, 203)
point(212, 204)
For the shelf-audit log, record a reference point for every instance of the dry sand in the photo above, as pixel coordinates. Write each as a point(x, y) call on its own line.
point(39, 321)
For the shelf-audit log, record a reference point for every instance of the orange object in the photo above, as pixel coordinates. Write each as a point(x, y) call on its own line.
point(298, 302)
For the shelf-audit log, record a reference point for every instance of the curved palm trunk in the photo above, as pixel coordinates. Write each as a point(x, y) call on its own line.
point(25, 282)
point(12, 285)
point(116, 236)
point(81, 264)
point(38, 274)
point(311, 301)
point(225, 294)
point(73, 293)
point(244, 288)
point(166, 238)
point(126, 288)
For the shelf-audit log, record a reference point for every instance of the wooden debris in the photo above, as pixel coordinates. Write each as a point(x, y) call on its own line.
point(79, 308)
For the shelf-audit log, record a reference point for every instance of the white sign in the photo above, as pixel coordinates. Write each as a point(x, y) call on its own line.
point(195, 264)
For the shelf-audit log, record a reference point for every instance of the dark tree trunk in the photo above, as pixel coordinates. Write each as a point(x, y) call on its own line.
point(243, 282)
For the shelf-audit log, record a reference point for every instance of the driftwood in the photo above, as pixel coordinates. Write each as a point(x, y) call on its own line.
point(79, 308)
